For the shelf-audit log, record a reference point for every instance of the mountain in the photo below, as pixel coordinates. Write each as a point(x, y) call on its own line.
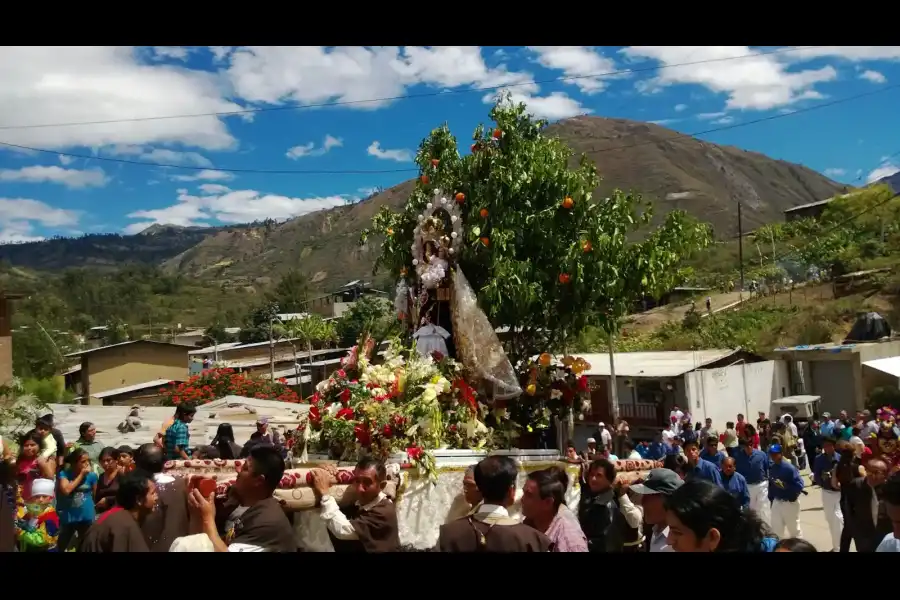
point(891, 180)
point(675, 171)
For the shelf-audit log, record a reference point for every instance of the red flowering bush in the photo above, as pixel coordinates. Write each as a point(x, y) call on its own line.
point(213, 384)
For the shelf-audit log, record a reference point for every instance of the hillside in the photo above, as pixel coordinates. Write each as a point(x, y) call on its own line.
point(677, 172)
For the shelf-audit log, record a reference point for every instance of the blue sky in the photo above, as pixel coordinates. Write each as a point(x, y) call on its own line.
point(103, 103)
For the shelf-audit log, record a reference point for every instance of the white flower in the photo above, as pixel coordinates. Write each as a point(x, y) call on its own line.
point(415, 262)
point(421, 217)
point(454, 235)
point(429, 206)
point(453, 218)
point(429, 395)
point(555, 394)
point(392, 469)
point(437, 192)
point(443, 201)
point(333, 408)
point(557, 375)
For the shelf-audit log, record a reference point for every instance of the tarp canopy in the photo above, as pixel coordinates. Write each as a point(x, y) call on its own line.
point(869, 327)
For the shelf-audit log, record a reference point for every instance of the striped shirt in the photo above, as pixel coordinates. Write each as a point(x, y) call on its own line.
point(177, 436)
point(566, 533)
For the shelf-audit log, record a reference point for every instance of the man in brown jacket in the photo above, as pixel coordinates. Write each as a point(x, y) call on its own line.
point(490, 528)
point(171, 519)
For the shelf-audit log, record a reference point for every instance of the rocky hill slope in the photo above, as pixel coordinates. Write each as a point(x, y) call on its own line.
point(705, 179)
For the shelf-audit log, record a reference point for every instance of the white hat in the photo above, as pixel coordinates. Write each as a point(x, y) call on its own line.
point(591, 441)
point(601, 424)
point(42, 487)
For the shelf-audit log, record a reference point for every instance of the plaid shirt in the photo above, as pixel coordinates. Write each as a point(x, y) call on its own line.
point(177, 435)
point(566, 533)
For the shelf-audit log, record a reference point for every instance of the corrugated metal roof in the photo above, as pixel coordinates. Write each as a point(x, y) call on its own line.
point(83, 352)
point(891, 365)
point(653, 364)
point(131, 388)
point(212, 349)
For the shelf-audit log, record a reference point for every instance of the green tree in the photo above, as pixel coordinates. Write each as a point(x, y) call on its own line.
point(116, 332)
point(545, 256)
point(369, 314)
point(257, 324)
point(310, 331)
point(36, 354)
point(291, 293)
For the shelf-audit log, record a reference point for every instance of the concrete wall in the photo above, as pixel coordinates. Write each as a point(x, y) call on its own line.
point(132, 364)
point(720, 394)
point(873, 378)
point(835, 382)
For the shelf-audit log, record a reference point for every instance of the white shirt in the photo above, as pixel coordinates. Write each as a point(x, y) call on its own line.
point(605, 437)
point(889, 544)
point(634, 455)
point(668, 435)
point(677, 414)
point(338, 523)
point(659, 540)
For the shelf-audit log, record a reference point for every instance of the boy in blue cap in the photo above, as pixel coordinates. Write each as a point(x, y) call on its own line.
point(785, 487)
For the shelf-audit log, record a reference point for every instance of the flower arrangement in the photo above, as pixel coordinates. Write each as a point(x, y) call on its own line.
point(213, 384)
point(553, 389)
point(407, 403)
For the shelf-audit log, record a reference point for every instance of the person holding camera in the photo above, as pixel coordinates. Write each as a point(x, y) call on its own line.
point(823, 469)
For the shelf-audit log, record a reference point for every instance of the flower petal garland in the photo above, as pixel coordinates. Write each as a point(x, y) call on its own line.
point(408, 403)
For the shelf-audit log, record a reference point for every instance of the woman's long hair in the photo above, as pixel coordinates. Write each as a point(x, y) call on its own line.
point(223, 441)
point(31, 436)
point(702, 506)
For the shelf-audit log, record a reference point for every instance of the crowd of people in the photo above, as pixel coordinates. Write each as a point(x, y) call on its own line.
point(736, 490)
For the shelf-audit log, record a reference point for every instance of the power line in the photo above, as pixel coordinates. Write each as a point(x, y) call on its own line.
point(411, 96)
point(675, 138)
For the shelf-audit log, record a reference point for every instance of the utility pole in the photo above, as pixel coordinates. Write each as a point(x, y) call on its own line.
point(613, 387)
point(271, 350)
point(741, 248)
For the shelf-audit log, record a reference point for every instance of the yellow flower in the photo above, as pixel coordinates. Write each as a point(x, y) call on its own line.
point(531, 389)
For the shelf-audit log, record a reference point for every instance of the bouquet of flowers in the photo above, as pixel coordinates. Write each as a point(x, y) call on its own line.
point(213, 384)
point(553, 389)
point(407, 403)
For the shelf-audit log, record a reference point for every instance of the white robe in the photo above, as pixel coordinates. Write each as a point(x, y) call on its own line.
point(431, 338)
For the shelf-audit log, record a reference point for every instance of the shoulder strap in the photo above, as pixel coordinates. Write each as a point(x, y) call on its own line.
point(480, 537)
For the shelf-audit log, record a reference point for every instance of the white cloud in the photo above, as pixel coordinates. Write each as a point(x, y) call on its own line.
point(161, 155)
point(553, 107)
point(885, 170)
point(205, 175)
point(726, 120)
point(220, 53)
point(711, 116)
point(835, 172)
point(757, 82)
point(19, 215)
point(72, 178)
point(851, 53)
point(214, 188)
point(233, 206)
point(65, 160)
point(52, 84)
point(664, 121)
point(310, 149)
point(377, 151)
point(577, 61)
point(873, 76)
point(680, 107)
point(171, 52)
point(313, 74)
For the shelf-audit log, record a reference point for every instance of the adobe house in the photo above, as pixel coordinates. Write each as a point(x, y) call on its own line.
point(131, 365)
point(6, 357)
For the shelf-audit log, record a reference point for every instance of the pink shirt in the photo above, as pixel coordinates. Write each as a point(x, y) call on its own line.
point(566, 533)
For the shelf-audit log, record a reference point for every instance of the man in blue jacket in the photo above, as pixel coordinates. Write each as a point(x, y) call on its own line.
point(754, 466)
point(735, 484)
point(785, 487)
point(696, 467)
point(710, 452)
point(823, 468)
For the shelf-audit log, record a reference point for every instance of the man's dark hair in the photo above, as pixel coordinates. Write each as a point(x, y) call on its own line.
point(43, 423)
point(548, 486)
point(494, 476)
point(627, 446)
point(126, 450)
point(184, 410)
point(689, 441)
point(740, 415)
point(83, 428)
point(749, 430)
point(710, 441)
point(109, 451)
point(891, 490)
point(49, 418)
point(729, 425)
point(829, 439)
point(561, 475)
point(795, 545)
point(268, 463)
point(133, 488)
point(369, 462)
point(856, 431)
point(149, 458)
point(742, 442)
point(609, 469)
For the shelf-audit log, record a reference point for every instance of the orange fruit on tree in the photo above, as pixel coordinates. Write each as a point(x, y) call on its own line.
point(483, 213)
point(474, 148)
point(390, 231)
point(497, 133)
point(460, 197)
point(486, 241)
point(545, 359)
point(564, 278)
point(424, 179)
point(586, 246)
point(434, 162)
point(568, 203)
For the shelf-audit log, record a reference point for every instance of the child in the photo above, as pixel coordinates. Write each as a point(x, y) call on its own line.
point(37, 526)
point(794, 545)
point(126, 459)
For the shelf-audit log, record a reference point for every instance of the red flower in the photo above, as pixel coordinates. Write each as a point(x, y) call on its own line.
point(341, 373)
point(582, 384)
point(344, 413)
point(466, 393)
point(387, 432)
point(414, 453)
point(362, 435)
point(314, 415)
point(345, 396)
point(568, 396)
point(437, 356)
